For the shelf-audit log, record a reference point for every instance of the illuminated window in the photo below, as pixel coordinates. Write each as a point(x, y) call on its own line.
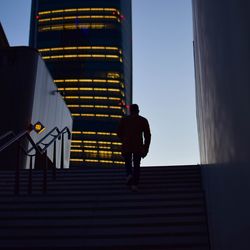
point(72, 81)
point(113, 75)
point(97, 142)
point(97, 115)
point(73, 26)
point(98, 56)
point(44, 20)
point(42, 13)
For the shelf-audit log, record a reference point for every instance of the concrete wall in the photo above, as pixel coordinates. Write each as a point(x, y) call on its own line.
point(228, 204)
point(221, 53)
point(29, 95)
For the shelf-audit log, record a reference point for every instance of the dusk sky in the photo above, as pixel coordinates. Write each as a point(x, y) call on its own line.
point(163, 72)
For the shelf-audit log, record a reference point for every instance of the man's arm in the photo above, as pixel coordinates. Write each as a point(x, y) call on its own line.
point(147, 138)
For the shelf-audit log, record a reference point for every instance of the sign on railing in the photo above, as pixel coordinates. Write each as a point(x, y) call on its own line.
point(38, 127)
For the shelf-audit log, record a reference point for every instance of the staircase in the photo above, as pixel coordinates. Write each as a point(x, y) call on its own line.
point(93, 209)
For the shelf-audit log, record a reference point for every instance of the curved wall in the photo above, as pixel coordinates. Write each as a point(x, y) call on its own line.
point(222, 52)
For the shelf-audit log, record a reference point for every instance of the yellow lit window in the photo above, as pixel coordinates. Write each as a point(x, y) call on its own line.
point(90, 151)
point(76, 132)
point(73, 106)
point(88, 115)
point(115, 107)
point(57, 11)
point(88, 133)
point(103, 147)
point(84, 9)
point(119, 162)
point(44, 13)
point(104, 161)
point(76, 160)
point(117, 143)
point(71, 97)
point(113, 75)
point(87, 146)
point(74, 26)
point(101, 115)
point(80, 56)
point(87, 106)
point(116, 116)
point(70, 10)
point(76, 150)
point(90, 160)
point(88, 81)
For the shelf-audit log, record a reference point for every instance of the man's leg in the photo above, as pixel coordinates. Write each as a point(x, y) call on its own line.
point(128, 165)
point(137, 163)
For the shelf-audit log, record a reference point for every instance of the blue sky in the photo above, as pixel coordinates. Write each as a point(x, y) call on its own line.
point(163, 72)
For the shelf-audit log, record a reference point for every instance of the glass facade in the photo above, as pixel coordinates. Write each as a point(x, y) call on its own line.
point(87, 46)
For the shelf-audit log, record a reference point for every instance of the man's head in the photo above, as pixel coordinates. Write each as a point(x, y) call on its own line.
point(134, 109)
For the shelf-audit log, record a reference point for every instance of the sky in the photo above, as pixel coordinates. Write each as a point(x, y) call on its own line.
point(163, 72)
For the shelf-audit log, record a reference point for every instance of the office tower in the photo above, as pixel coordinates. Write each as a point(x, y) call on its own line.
point(87, 46)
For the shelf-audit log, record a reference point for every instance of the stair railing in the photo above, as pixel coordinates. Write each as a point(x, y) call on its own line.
point(6, 135)
point(38, 150)
point(17, 139)
point(43, 146)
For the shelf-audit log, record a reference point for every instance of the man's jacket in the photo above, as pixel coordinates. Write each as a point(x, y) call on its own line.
point(134, 133)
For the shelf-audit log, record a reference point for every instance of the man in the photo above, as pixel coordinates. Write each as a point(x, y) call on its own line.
point(135, 136)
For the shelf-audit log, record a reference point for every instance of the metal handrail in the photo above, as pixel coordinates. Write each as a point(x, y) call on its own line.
point(38, 149)
point(43, 150)
point(41, 140)
point(17, 138)
point(50, 133)
point(6, 134)
point(58, 136)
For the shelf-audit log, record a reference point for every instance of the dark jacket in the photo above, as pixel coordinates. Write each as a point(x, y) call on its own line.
point(135, 135)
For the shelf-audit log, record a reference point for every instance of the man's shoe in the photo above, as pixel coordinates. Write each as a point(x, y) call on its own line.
point(129, 179)
point(134, 188)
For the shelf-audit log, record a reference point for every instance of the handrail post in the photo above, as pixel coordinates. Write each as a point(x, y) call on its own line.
point(30, 174)
point(45, 173)
point(62, 152)
point(54, 161)
point(17, 175)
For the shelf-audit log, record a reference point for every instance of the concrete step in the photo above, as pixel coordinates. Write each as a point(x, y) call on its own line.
point(105, 192)
point(93, 209)
point(89, 232)
point(103, 222)
point(102, 186)
point(169, 242)
point(127, 197)
point(113, 204)
point(99, 211)
point(72, 177)
point(110, 176)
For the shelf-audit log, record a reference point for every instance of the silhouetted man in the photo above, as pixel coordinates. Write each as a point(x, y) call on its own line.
point(135, 135)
